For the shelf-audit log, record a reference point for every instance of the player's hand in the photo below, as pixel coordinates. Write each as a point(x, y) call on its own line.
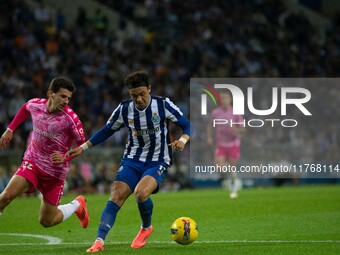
point(57, 158)
point(75, 152)
point(5, 139)
point(177, 145)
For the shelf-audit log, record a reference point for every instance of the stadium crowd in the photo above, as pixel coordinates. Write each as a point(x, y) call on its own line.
point(183, 39)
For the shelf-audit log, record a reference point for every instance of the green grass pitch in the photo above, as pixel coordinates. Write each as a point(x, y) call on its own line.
point(296, 220)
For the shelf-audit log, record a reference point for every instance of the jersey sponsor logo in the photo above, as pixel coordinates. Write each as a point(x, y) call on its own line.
point(142, 132)
point(44, 133)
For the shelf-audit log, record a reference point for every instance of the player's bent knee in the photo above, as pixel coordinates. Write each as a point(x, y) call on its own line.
point(46, 223)
point(119, 194)
point(118, 197)
point(141, 195)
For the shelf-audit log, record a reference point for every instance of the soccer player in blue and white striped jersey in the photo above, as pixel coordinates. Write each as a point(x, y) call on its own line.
point(147, 155)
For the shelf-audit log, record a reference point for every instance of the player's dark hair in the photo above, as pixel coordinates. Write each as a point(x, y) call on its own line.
point(137, 79)
point(61, 82)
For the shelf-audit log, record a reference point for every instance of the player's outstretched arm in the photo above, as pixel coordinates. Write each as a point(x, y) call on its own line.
point(100, 136)
point(6, 138)
point(60, 158)
point(75, 152)
point(21, 115)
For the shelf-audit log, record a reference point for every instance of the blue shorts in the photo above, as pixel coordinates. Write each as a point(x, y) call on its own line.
point(131, 172)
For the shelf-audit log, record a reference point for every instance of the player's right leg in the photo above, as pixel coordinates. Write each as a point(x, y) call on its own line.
point(23, 181)
point(16, 187)
point(221, 161)
point(119, 193)
point(234, 181)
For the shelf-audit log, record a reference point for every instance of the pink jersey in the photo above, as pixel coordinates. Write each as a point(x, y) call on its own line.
point(225, 136)
point(52, 132)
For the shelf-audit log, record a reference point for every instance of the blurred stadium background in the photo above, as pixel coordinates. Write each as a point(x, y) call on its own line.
point(97, 43)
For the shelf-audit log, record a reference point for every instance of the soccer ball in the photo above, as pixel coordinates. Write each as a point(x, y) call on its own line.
point(184, 230)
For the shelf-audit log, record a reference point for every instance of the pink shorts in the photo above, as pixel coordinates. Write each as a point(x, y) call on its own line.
point(228, 152)
point(50, 187)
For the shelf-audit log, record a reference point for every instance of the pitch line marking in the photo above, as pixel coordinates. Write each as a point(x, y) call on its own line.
point(57, 241)
point(51, 240)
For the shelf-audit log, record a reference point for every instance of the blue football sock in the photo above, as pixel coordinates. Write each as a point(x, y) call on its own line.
point(107, 219)
point(145, 210)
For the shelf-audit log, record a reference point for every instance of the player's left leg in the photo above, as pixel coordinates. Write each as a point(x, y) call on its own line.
point(232, 156)
point(51, 213)
point(149, 184)
point(142, 193)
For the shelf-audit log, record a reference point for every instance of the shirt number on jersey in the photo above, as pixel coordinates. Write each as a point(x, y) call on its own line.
point(161, 170)
point(27, 165)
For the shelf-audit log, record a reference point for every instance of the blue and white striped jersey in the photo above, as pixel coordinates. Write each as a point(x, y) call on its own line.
point(149, 133)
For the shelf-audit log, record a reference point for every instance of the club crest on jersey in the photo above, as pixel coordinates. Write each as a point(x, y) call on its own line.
point(155, 118)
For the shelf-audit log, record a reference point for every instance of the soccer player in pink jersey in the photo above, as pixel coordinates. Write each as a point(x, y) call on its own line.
point(227, 138)
point(45, 167)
